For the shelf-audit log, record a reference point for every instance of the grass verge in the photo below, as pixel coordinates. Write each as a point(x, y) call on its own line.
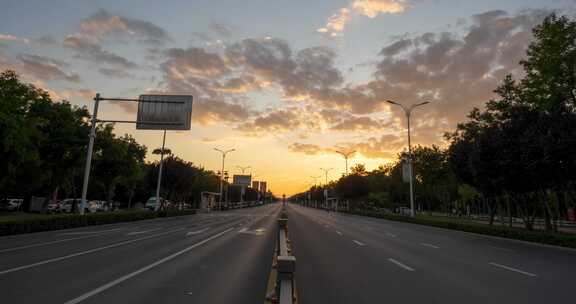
point(44, 222)
point(542, 237)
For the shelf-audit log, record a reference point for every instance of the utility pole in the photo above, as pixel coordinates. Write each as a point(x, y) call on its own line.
point(346, 156)
point(222, 172)
point(408, 112)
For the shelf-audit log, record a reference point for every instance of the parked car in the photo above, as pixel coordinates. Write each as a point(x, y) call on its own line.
point(11, 204)
point(69, 205)
point(153, 205)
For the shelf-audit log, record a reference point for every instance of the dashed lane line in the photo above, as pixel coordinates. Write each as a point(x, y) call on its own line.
point(430, 245)
point(141, 270)
point(65, 257)
point(401, 265)
point(513, 269)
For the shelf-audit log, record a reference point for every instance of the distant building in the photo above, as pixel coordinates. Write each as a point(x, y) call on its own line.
point(256, 185)
point(263, 187)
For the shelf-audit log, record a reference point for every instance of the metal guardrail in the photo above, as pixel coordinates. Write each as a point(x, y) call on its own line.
point(285, 264)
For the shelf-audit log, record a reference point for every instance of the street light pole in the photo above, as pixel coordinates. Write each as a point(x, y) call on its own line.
point(408, 112)
point(222, 172)
point(346, 156)
point(243, 168)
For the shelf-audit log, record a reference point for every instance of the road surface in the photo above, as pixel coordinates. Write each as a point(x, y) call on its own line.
point(225, 257)
point(352, 259)
point(221, 257)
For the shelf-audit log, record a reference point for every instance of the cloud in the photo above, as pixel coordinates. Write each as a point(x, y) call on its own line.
point(93, 52)
point(86, 94)
point(194, 62)
point(396, 47)
point(372, 8)
point(221, 29)
point(114, 73)
point(454, 72)
point(11, 38)
point(210, 111)
point(103, 24)
point(277, 121)
point(308, 149)
point(368, 8)
point(45, 68)
point(361, 123)
point(336, 23)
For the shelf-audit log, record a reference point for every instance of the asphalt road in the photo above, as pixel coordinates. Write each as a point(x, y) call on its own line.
point(352, 259)
point(225, 257)
point(220, 257)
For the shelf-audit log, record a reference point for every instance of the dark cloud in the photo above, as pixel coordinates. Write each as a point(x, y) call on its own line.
point(93, 52)
point(396, 47)
point(103, 24)
point(46, 68)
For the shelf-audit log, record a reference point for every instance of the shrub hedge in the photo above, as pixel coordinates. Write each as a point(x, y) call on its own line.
point(557, 239)
point(43, 222)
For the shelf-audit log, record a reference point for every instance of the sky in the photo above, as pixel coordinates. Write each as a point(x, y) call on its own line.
point(284, 83)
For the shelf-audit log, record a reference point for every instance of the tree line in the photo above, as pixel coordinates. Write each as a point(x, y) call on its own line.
point(43, 149)
point(516, 157)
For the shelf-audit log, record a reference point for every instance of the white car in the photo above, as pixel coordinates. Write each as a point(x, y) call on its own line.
point(152, 205)
point(67, 205)
point(11, 204)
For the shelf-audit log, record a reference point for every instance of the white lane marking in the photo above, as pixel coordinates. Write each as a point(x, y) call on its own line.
point(430, 245)
point(326, 226)
point(401, 265)
point(141, 270)
point(142, 232)
point(197, 232)
point(513, 269)
point(358, 243)
point(340, 233)
point(90, 232)
point(390, 234)
point(85, 252)
point(45, 243)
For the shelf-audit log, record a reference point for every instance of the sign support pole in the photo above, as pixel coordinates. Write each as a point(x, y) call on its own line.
point(160, 173)
point(94, 121)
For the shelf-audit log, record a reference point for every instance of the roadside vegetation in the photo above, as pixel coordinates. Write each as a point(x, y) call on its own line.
point(513, 159)
point(43, 150)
